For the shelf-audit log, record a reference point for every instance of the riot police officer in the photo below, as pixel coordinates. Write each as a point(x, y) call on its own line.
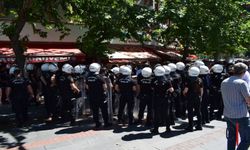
point(45, 79)
point(127, 89)
point(97, 94)
point(67, 90)
point(216, 98)
point(161, 87)
point(204, 75)
point(18, 92)
point(193, 91)
point(145, 95)
point(79, 78)
point(114, 75)
point(52, 93)
point(176, 83)
point(181, 71)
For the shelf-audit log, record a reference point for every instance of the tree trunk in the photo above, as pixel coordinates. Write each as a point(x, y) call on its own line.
point(19, 53)
point(185, 53)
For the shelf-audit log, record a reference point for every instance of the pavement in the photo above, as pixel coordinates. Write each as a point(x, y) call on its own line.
point(41, 136)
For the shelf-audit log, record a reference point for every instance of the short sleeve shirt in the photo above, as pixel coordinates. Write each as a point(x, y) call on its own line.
point(234, 91)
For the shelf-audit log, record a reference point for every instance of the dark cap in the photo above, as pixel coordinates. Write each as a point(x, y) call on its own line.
point(240, 68)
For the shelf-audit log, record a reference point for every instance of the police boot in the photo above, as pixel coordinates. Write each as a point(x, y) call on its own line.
point(168, 129)
point(154, 131)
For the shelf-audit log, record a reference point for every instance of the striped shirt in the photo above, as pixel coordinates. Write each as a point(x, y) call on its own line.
point(234, 91)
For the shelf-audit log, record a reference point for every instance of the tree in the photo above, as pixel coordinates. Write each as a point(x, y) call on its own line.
point(109, 19)
point(50, 14)
point(204, 25)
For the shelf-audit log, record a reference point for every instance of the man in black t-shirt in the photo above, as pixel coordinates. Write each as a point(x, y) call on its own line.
point(193, 91)
point(161, 86)
point(127, 88)
point(18, 91)
point(145, 95)
point(67, 90)
point(97, 94)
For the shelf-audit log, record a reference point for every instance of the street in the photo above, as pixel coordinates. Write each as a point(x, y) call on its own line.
point(41, 136)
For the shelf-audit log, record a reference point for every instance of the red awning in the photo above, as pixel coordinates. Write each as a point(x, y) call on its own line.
point(37, 55)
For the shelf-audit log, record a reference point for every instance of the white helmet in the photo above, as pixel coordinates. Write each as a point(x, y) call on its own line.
point(193, 71)
point(53, 67)
point(115, 70)
point(125, 70)
point(172, 67)
point(95, 68)
point(146, 72)
point(30, 67)
point(204, 70)
point(167, 69)
point(199, 63)
point(12, 69)
point(159, 71)
point(78, 69)
point(67, 68)
point(45, 67)
point(217, 68)
point(180, 66)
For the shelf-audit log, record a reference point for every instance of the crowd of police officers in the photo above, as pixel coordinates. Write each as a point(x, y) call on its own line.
point(168, 91)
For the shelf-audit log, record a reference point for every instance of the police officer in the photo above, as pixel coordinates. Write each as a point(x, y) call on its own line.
point(216, 98)
point(176, 83)
point(30, 68)
point(145, 95)
point(67, 90)
point(127, 89)
point(193, 91)
point(52, 93)
point(18, 92)
point(79, 72)
point(114, 75)
point(204, 75)
point(97, 94)
point(161, 87)
point(45, 79)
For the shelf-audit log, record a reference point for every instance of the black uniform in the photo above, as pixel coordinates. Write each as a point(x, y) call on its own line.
point(145, 97)
point(205, 98)
point(176, 103)
point(215, 96)
point(194, 85)
point(97, 97)
point(19, 98)
point(161, 102)
point(183, 102)
point(64, 82)
point(126, 85)
point(48, 92)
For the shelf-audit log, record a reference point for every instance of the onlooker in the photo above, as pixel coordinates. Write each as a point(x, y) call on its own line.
point(236, 96)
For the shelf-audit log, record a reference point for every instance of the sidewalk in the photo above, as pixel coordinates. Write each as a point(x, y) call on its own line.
point(40, 136)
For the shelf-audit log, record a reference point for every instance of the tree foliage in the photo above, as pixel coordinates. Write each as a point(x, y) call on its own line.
point(206, 26)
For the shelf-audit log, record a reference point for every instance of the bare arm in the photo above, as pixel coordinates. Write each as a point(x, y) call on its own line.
point(185, 91)
point(117, 88)
point(74, 88)
point(248, 100)
point(30, 91)
point(8, 90)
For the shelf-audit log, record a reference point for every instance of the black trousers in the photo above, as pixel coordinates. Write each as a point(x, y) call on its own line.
point(145, 100)
point(129, 101)
point(68, 107)
point(161, 111)
point(194, 109)
point(20, 107)
point(204, 108)
point(95, 106)
point(216, 103)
